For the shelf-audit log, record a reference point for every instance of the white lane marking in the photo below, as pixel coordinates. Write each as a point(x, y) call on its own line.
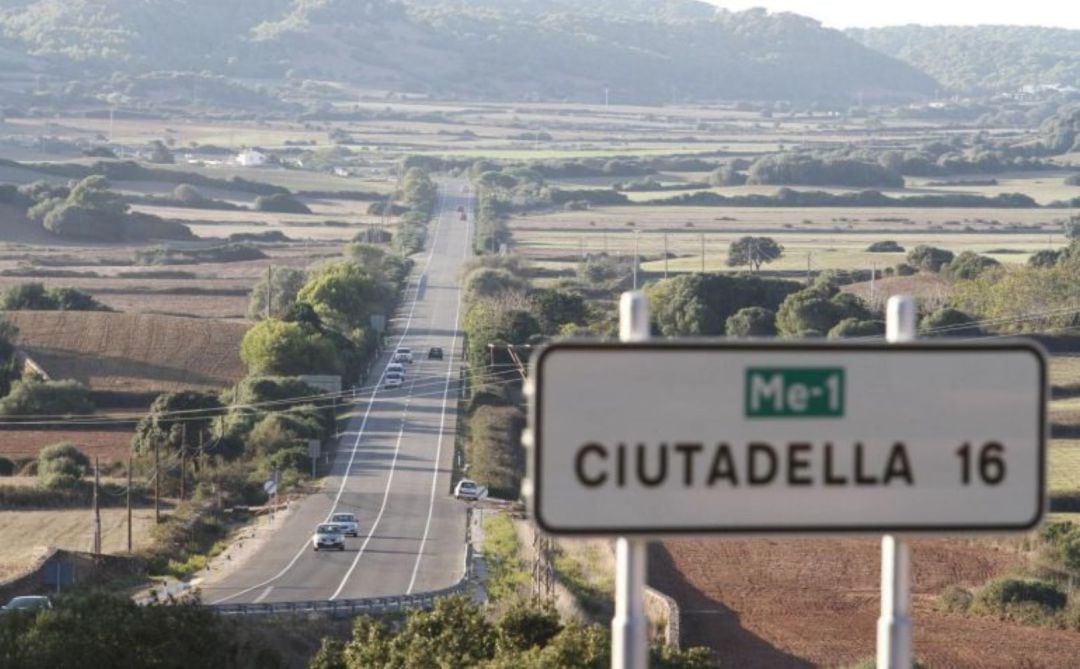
point(264, 595)
point(363, 423)
point(442, 428)
point(382, 509)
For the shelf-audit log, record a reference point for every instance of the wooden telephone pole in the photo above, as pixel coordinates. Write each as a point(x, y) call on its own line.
point(97, 508)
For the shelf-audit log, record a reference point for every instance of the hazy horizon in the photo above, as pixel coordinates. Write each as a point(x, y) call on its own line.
point(861, 14)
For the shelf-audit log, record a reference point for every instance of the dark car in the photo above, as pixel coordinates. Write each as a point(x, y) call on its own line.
point(435, 353)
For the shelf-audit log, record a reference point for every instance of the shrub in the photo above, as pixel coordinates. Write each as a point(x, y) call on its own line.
point(955, 600)
point(7, 467)
point(853, 327)
point(751, 322)
point(1028, 601)
point(969, 265)
point(885, 247)
point(495, 456)
point(54, 398)
point(949, 322)
point(61, 466)
point(904, 269)
point(281, 203)
point(929, 258)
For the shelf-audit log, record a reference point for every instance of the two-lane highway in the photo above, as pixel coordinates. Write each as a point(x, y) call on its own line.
point(393, 464)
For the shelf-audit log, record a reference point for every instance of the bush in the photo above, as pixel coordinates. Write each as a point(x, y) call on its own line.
point(53, 398)
point(885, 247)
point(853, 327)
point(7, 467)
point(1028, 601)
point(929, 258)
point(495, 456)
point(36, 297)
point(904, 269)
point(949, 322)
point(955, 600)
point(61, 466)
point(751, 322)
point(969, 265)
point(281, 203)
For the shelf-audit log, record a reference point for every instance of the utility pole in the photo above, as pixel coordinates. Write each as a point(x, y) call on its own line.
point(129, 505)
point(808, 267)
point(665, 255)
point(635, 258)
point(97, 508)
point(183, 457)
point(269, 288)
point(703, 253)
point(157, 484)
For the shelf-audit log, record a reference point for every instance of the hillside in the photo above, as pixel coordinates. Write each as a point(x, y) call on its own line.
point(132, 353)
point(981, 59)
point(551, 50)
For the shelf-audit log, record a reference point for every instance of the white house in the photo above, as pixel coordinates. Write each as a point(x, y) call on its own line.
point(251, 158)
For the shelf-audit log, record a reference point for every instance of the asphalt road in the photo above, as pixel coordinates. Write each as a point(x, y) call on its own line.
point(393, 463)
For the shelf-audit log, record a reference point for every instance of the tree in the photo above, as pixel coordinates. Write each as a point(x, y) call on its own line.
point(343, 294)
point(1072, 227)
point(887, 246)
point(28, 296)
point(699, 304)
point(31, 397)
point(853, 327)
point(61, 466)
point(817, 310)
point(527, 623)
point(179, 421)
point(555, 308)
point(948, 322)
point(160, 154)
point(969, 265)
point(492, 282)
point(284, 285)
point(751, 322)
point(929, 258)
point(281, 203)
point(753, 251)
point(276, 347)
point(1044, 258)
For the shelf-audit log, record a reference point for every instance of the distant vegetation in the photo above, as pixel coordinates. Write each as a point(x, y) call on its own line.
point(36, 297)
point(640, 54)
point(983, 59)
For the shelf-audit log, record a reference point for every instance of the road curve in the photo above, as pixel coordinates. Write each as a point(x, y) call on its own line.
point(393, 463)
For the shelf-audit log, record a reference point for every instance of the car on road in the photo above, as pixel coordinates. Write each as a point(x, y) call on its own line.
point(469, 490)
point(435, 353)
point(328, 535)
point(396, 368)
point(27, 603)
point(403, 355)
point(393, 380)
point(348, 524)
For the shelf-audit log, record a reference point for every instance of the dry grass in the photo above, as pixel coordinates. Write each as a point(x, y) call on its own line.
point(112, 445)
point(1064, 474)
point(25, 535)
point(133, 352)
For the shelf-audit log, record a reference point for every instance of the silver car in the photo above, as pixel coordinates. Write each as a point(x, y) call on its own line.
point(27, 603)
point(328, 535)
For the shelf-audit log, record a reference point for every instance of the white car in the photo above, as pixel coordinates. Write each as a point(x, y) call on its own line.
point(393, 380)
point(470, 490)
point(395, 368)
point(328, 535)
point(27, 603)
point(347, 523)
point(403, 355)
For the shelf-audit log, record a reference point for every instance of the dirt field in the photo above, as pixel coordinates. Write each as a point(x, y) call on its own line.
point(112, 445)
point(133, 352)
point(27, 534)
point(811, 602)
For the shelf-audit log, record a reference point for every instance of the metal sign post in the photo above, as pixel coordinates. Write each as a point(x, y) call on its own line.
point(629, 627)
point(894, 625)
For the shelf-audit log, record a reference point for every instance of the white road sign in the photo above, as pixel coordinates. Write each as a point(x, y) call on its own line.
point(671, 437)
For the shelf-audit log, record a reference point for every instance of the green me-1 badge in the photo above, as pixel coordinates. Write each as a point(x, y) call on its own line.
point(794, 392)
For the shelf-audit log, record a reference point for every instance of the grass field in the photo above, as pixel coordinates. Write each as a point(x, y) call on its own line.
point(26, 535)
point(1064, 468)
point(110, 445)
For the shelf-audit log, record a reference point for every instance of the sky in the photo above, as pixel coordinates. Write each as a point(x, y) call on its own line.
point(867, 13)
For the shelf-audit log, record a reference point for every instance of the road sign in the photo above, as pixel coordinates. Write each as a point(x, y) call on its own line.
point(669, 437)
point(270, 487)
point(314, 446)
